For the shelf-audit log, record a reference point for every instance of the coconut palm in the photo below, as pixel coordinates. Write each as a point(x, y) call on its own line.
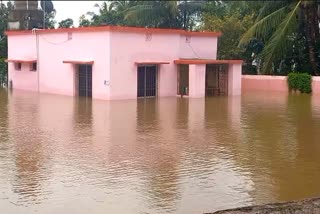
point(122, 6)
point(190, 12)
point(167, 14)
point(154, 13)
point(111, 12)
point(103, 16)
point(277, 22)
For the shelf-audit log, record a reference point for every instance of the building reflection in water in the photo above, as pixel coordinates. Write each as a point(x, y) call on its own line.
point(30, 164)
point(6, 161)
point(4, 132)
point(282, 144)
point(157, 155)
point(163, 166)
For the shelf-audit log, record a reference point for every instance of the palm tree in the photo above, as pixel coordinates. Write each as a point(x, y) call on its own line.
point(153, 13)
point(111, 12)
point(122, 6)
point(280, 20)
point(190, 12)
point(167, 14)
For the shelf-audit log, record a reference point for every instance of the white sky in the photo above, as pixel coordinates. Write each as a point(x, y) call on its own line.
point(73, 9)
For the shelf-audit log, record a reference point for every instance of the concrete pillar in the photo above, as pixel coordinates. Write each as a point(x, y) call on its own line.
point(234, 79)
point(197, 81)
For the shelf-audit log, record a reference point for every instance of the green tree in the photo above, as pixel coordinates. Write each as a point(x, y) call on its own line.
point(83, 21)
point(163, 14)
point(183, 14)
point(4, 12)
point(112, 13)
point(233, 19)
point(233, 27)
point(50, 21)
point(279, 25)
point(190, 13)
point(154, 14)
point(67, 23)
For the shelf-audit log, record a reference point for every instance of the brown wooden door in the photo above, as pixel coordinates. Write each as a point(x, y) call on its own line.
point(223, 82)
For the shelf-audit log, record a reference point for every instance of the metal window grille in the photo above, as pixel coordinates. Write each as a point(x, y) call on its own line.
point(147, 81)
point(85, 80)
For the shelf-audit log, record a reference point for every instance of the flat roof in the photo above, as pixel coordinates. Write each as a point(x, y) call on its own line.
point(207, 61)
point(118, 29)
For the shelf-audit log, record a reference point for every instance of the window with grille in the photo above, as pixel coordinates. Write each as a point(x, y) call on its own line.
point(17, 66)
point(33, 67)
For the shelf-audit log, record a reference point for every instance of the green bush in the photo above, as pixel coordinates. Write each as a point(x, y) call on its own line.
point(3, 72)
point(300, 81)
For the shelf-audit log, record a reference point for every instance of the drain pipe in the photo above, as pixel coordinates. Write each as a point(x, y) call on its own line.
point(34, 31)
point(38, 62)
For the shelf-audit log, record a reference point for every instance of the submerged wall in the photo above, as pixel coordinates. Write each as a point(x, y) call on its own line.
point(22, 79)
point(116, 53)
point(272, 83)
point(131, 47)
point(264, 83)
point(53, 76)
point(316, 85)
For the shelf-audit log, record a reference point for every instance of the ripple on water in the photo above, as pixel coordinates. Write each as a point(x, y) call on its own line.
point(158, 156)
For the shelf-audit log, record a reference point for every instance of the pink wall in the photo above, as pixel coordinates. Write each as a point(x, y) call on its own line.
point(197, 81)
point(234, 79)
point(22, 47)
point(124, 54)
point(114, 73)
point(316, 85)
point(195, 48)
point(161, 47)
point(57, 77)
point(264, 83)
point(272, 83)
point(23, 79)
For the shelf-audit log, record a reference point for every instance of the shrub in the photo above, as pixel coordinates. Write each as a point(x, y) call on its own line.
point(3, 72)
point(300, 81)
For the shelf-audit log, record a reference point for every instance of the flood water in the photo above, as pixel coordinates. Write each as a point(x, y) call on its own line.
point(65, 155)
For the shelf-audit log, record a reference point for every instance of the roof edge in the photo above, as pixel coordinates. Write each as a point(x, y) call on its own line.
point(207, 61)
point(115, 29)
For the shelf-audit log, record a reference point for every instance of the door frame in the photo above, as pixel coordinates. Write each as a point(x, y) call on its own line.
point(220, 71)
point(76, 80)
point(145, 81)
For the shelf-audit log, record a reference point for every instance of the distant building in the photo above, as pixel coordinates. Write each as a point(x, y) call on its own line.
point(26, 15)
point(111, 62)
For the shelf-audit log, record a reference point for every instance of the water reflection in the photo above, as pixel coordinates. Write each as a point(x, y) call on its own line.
point(28, 149)
point(168, 155)
point(282, 146)
point(3, 116)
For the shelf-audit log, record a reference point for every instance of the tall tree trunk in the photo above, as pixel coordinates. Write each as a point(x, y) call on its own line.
point(311, 31)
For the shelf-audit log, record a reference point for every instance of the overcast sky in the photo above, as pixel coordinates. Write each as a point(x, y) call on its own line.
point(73, 9)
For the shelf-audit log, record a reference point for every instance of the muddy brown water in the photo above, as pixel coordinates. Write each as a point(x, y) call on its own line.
point(60, 154)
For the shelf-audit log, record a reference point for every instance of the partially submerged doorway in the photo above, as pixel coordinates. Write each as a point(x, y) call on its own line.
point(147, 81)
point(183, 80)
point(84, 80)
point(216, 80)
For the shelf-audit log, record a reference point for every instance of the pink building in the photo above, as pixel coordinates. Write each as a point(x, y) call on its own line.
point(110, 62)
